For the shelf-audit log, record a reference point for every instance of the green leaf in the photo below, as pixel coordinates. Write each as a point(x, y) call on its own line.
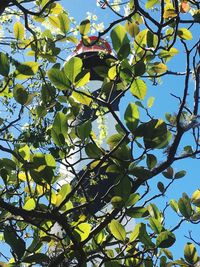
point(154, 211)
point(20, 94)
point(58, 78)
point(139, 89)
point(169, 173)
point(59, 129)
point(174, 205)
point(19, 30)
point(84, 129)
point(158, 67)
point(180, 174)
point(83, 229)
point(82, 97)
point(184, 206)
point(93, 151)
point(133, 199)
point(131, 117)
point(29, 204)
point(114, 140)
point(64, 22)
point(155, 225)
point(135, 233)
point(152, 39)
point(151, 161)
point(168, 254)
point(26, 70)
point(167, 55)
point(132, 28)
point(55, 22)
point(37, 258)
point(82, 78)
point(4, 64)
point(117, 230)
point(144, 237)
point(139, 68)
point(150, 101)
point(196, 198)
point(150, 3)
point(17, 245)
point(184, 34)
point(72, 68)
point(120, 41)
point(165, 239)
point(140, 41)
point(84, 27)
point(137, 212)
point(190, 254)
point(161, 187)
point(50, 161)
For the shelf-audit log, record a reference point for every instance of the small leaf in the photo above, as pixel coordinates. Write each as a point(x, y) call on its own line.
point(138, 89)
point(29, 204)
point(132, 28)
point(161, 187)
point(196, 198)
point(174, 205)
point(150, 101)
point(184, 206)
point(82, 97)
point(151, 161)
point(165, 239)
point(180, 174)
point(72, 68)
point(84, 27)
point(117, 230)
point(84, 129)
point(4, 64)
point(156, 225)
point(93, 151)
point(131, 116)
point(151, 3)
point(120, 40)
point(18, 30)
point(159, 67)
point(20, 94)
point(190, 254)
point(169, 174)
point(184, 34)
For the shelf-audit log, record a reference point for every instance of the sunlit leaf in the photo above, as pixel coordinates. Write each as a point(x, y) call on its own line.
point(138, 89)
point(26, 70)
point(4, 64)
point(131, 116)
point(165, 239)
point(117, 230)
point(84, 27)
point(19, 30)
point(184, 34)
point(190, 254)
point(58, 78)
point(29, 204)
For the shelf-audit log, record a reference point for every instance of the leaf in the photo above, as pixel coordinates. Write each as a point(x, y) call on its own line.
point(16, 243)
point(18, 30)
point(20, 94)
point(83, 229)
point(82, 78)
point(26, 70)
point(168, 54)
point(184, 34)
point(38, 258)
point(184, 7)
point(152, 39)
point(169, 173)
point(72, 68)
point(93, 151)
point(165, 239)
point(180, 174)
point(117, 230)
point(158, 67)
point(135, 233)
point(190, 254)
point(131, 116)
point(138, 89)
point(184, 206)
point(4, 64)
point(120, 41)
point(140, 41)
point(82, 97)
point(150, 101)
point(139, 68)
point(156, 225)
point(84, 27)
point(84, 129)
point(174, 205)
point(29, 204)
point(169, 11)
point(150, 3)
point(151, 161)
point(168, 254)
point(196, 198)
point(132, 28)
point(58, 78)
point(161, 187)
point(137, 212)
point(50, 160)
point(64, 22)
point(55, 22)
point(59, 129)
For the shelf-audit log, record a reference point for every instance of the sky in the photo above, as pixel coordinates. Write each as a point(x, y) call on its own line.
point(164, 102)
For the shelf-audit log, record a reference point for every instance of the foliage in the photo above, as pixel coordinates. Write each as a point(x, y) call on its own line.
point(106, 216)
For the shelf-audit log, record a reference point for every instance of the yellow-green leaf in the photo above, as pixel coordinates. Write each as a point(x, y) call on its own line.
point(54, 21)
point(30, 204)
point(83, 229)
point(82, 97)
point(139, 89)
point(84, 27)
point(18, 30)
point(184, 34)
point(190, 253)
point(159, 67)
point(64, 22)
point(117, 230)
point(26, 70)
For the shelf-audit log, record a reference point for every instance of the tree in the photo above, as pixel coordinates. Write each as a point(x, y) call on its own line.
point(41, 99)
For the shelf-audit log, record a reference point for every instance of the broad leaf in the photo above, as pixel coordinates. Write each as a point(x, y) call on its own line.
point(165, 239)
point(4, 64)
point(131, 116)
point(139, 89)
point(117, 230)
point(58, 78)
point(84, 27)
point(19, 30)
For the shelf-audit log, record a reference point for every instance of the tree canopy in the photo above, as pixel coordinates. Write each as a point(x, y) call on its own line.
point(115, 210)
